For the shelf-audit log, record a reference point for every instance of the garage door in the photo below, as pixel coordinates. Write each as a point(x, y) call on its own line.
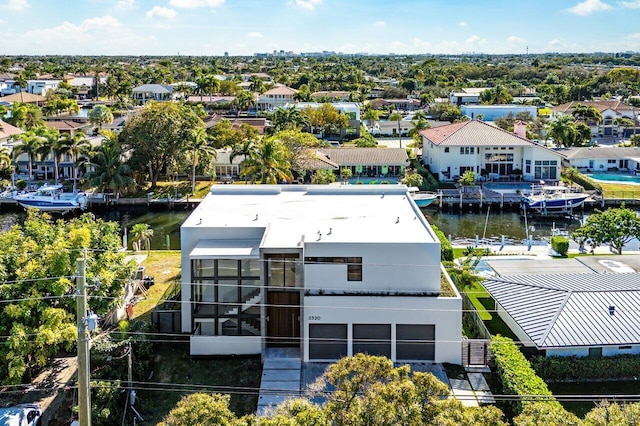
point(372, 339)
point(327, 341)
point(415, 342)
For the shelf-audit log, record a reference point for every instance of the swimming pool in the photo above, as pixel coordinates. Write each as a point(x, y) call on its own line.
point(367, 180)
point(619, 178)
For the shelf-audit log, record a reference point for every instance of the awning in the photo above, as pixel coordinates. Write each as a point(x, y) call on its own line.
point(226, 249)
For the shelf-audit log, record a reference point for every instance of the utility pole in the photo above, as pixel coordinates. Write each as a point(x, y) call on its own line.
point(84, 393)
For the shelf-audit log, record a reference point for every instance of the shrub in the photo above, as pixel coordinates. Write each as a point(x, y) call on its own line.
point(517, 376)
point(587, 183)
point(560, 244)
point(446, 250)
point(585, 368)
point(21, 184)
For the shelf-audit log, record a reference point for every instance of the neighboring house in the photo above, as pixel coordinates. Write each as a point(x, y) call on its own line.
point(493, 112)
point(275, 98)
point(603, 158)
point(610, 110)
point(67, 125)
point(473, 145)
point(259, 75)
point(350, 109)
point(258, 123)
point(8, 132)
point(226, 169)
point(331, 95)
point(402, 105)
point(386, 128)
point(367, 162)
point(469, 95)
point(213, 101)
point(85, 84)
point(153, 92)
point(40, 87)
point(8, 87)
point(296, 266)
point(575, 314)
point(25, 98)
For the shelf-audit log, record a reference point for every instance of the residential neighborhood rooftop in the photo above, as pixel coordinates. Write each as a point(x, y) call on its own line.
point(332, 213)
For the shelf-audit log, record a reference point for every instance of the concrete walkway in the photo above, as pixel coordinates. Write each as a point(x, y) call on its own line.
point(462, 391)
point(280, 378)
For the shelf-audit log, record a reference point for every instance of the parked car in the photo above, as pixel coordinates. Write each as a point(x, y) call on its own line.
point(20, 415)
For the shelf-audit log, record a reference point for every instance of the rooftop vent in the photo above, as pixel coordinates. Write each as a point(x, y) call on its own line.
point(398, 219)
point(612, 310)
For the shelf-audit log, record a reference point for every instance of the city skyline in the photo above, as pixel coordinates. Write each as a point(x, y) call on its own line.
point(213, 27)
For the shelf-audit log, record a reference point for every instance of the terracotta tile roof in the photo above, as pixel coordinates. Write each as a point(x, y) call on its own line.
point(473, 133)
point(7, 130)
point(367, 156)
point(24, 97)
point(319, 162)
point(614, 104)
point(65, 124)
point(281, 90)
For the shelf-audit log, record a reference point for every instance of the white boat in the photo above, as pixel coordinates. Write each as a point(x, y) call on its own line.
point(422, 198)
point(52, 198)
point(553, 199)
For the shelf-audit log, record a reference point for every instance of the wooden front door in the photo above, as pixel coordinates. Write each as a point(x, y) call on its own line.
point(283, 318)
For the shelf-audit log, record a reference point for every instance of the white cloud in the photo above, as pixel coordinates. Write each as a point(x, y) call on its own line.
point(635, 35)
point(462, 24)
point(2, 21)
point(515, 39)
point(379, 24)
point(103, 35)
point(193, 4)
point(421, 44)
point(17, 5)
point(587, 7)
point(125, 4)
point(159, 12)
point(305, 4)
point(475, 40)
point(255, 34)
point(556, 45)
point(635, 4)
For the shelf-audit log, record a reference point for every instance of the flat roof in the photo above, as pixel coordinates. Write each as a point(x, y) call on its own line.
point(233, 249)
point(293, 214)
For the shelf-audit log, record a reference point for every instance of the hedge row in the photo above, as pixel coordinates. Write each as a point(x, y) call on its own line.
point(587, 368)
point(587, 183)
point(446, 250)
point(560, 244)
point(517, 376)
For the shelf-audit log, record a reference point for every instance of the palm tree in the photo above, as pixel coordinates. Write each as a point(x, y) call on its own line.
point(397, 117)
point(244, 101)
point(99, 115)
point(371, 116)
point(109, 171)
point(244, 148)
point(5, 157)
point(30, 146)
point(563, 130)
point(50, 145)
point(199, 144)
point(21, 79)
point(141, 232)
point(418, 125)
point(76, 145)
point(269, 161)
point(257, 84)
point(289, 119)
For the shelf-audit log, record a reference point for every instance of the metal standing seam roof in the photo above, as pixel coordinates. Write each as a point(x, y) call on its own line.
point(572, 309)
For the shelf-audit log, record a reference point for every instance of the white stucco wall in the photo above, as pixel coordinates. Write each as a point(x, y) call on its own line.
point(225, 345)
point(394, 267)
point(444, 313)
point(584, 351)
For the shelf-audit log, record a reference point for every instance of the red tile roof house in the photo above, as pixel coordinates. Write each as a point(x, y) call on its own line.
point(449, 151)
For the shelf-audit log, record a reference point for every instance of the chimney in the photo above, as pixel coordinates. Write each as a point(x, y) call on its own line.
point(520, 128)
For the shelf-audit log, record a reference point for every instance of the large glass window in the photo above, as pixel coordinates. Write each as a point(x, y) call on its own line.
point(282, 270)
point(546, 169)
point(227, 291)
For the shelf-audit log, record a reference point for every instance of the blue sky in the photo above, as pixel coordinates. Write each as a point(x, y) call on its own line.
point(243, 27)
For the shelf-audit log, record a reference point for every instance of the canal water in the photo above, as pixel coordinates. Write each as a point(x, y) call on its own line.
point(166, 224)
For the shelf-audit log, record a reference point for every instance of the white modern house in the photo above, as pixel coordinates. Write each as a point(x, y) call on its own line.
point(153, 92)
point(575, 314)
point(468, 95)
point(473, 145)
point(602, 159)
point(40, 87)
point(329, 270)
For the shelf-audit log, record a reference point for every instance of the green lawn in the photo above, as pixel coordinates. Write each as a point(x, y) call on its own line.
point(176, 374)
point(164, 267)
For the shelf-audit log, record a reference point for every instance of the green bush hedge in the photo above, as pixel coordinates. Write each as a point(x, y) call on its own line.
point(587, 368)
point(587, 183)
point(560, 244)
point(446, 250)
point(517, 376)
